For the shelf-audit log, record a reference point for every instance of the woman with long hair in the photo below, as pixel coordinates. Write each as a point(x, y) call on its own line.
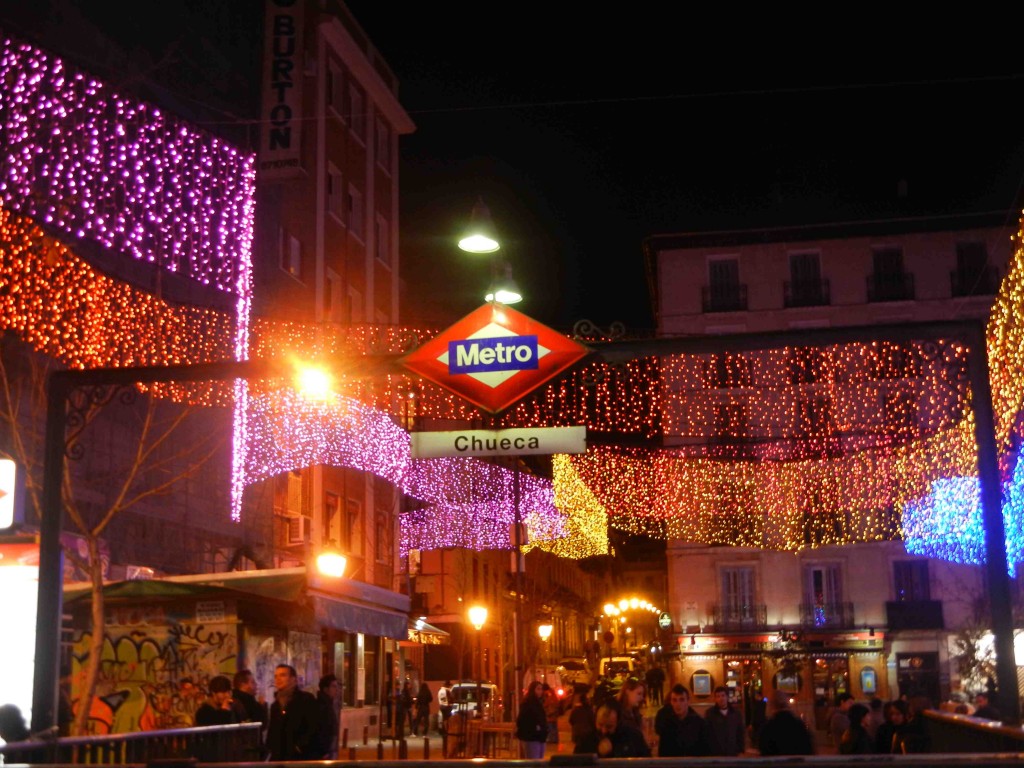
point(532, 722)
point(629, 701)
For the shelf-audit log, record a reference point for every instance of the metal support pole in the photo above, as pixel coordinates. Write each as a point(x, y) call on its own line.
point(995, 534)
point(517, 673)
point(49, 603)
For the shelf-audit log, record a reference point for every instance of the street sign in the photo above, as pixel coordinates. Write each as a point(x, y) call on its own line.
point(537, 441)
point(494, 356)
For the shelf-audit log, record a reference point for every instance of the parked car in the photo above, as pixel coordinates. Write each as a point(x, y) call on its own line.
point(464, 699)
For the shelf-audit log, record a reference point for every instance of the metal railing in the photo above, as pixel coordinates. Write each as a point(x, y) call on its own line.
point(724, 298)
point(738, 617)
point(806, 293)
point(835, 615)
point(208, 744)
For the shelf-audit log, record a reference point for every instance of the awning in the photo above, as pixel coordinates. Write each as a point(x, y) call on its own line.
point(427, 634)
point(350, 617)
point(345, 605)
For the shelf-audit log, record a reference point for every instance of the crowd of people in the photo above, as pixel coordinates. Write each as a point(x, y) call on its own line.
point(623, 726)
point(296, 726)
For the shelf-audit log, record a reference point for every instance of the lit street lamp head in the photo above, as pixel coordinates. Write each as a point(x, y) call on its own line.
point(481, 237)
point(477, 616)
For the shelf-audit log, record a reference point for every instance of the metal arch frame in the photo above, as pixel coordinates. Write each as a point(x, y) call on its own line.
point(62, 384)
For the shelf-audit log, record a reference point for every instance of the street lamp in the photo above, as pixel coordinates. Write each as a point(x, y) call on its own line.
point(330, 561)
point(544, 630)
point(481, 237)
point(478, 617)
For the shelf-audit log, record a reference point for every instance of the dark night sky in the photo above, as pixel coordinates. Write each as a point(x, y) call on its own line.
point(586, 130)
point(586, 133)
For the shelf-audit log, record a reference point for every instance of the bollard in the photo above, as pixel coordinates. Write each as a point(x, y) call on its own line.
point(366, 734)
point(380, 750)
point(403, 750)
point(344, 738)
point(352, 754)
point(426, 748)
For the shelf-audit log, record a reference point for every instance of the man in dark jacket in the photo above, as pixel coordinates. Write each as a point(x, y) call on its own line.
point(681, 731)
point(784, 733)
point(292, 734)
point(726, 731)
point(244, 695)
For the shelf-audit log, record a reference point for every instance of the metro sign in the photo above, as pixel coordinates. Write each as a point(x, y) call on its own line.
point(494, 356)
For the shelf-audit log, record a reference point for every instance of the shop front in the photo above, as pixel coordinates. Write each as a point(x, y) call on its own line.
point(165, 638)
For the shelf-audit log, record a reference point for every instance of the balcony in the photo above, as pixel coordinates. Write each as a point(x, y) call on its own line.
point(890, 286)
point(826, 615)
point(914, 614)
point(806, 293)
point(732, 618)
point(724, 298)
point(983, 282)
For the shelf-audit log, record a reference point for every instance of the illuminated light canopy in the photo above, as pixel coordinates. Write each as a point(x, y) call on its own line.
point(786, 449)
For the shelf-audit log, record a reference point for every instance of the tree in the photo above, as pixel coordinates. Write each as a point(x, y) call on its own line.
point(149, 447)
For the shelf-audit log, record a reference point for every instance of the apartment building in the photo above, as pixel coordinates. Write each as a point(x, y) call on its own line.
point(825, 609)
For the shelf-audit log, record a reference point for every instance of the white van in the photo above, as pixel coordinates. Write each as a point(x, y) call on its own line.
point(463, 698)
point(617, 666)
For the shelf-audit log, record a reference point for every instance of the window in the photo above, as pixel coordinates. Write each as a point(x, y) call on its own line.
point(335, 87)
point(332, 513)
point(290, 253)
point(889, 282)
point(814, 415)
point(355, 115)
point(910, 579)
point(738, 593)
point(724, 292)
point(355, 305)
point(382, 239)
point(731, 421)
point(823, 594)
point(887, 262)
point(354, 219)
point(350, 527)
point(335, 193)
point(333, 309)
point(805, 287)
point(383, 136)
point(974, 276)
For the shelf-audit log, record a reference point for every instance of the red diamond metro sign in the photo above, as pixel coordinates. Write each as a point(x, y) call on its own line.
point(494, 356)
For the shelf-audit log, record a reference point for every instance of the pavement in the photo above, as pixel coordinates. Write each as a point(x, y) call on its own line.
point(431, 747)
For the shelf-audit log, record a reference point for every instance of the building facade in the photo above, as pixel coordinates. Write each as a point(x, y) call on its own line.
point(831, 607)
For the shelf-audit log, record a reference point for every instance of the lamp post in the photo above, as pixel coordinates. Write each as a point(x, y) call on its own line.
point(478, 617)
point(481, 238)
point(544, 631)
point(103, 384)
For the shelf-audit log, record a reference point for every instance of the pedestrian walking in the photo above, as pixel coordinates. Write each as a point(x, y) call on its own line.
point(444, 703)
point(613, 738)
point(422, 720)
point(532, 722)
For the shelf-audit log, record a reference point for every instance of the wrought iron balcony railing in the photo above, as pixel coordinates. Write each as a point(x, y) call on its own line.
point(983, 282)
point(914, 614)
point(806, 293)
point(736, 617)
point(826, 615)
point(724, 298)
point(896, 286)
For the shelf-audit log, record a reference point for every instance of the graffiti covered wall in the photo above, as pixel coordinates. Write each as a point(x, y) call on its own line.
point(157, 661)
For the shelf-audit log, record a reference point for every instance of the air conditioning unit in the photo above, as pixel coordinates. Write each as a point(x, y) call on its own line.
point(299, 529)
